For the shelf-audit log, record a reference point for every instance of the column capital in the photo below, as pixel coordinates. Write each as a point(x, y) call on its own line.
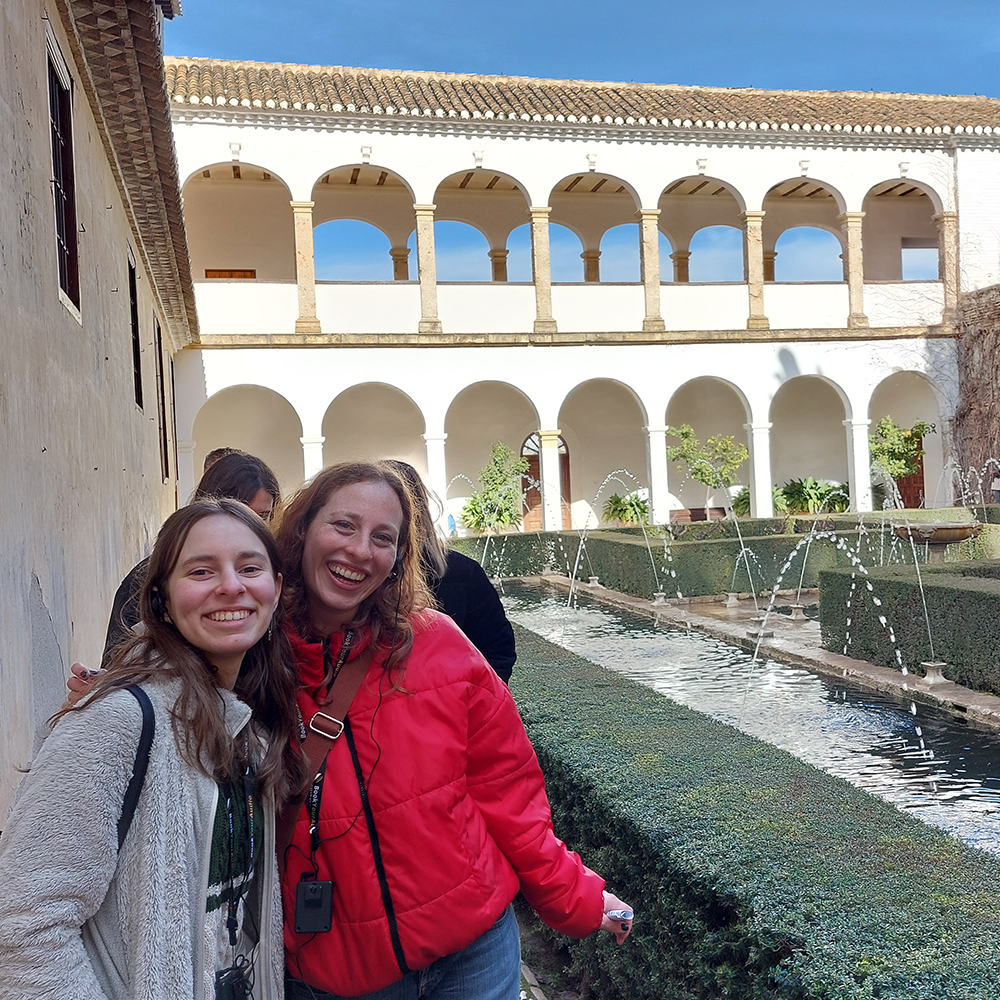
point(943, 218)
point(850, 218)
point(538, 210)
point(312, 442)
point(591, 255)
point(435, 437)
point(186, 447)
point(648, 213)
point(757, 428)
point(424, 209)
point(656, 429)
point(498, 254)
point(302, 206)
point(399, 253)
point(681, 255)
point(753, 216)
point(856, 423)
point(550, 439)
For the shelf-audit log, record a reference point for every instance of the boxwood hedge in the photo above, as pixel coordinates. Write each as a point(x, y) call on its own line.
point(753, 875)
point(963, 607)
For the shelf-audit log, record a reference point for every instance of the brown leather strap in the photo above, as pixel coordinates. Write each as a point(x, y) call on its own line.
point(322, 732)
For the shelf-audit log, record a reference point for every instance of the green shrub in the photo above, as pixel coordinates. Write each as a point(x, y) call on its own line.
point(963, 605)
point(741, 502)
point(631, 509)
point(753, 875)
point(814, 496)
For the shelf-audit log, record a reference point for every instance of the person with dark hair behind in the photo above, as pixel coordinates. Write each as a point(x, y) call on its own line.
point(216, 453)
point(234, 476)
point(460, 586)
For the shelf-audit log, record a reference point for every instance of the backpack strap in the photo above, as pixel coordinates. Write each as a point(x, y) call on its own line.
point(141, 761)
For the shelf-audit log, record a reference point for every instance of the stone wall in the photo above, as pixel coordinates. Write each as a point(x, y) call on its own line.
point(976, 425)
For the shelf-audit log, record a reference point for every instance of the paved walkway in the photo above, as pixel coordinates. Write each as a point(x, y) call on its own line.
point(795, 642)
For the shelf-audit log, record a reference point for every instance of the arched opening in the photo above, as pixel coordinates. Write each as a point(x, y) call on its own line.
point(461, 252)
point(591, 204)
point(712, 407)
point(908, 397)
point(620, 253)
point(807, 432)
point(519, 253)
point(565, 254)
point(899, 235)
point(495, 204)
point(602, 422)
point(239, 224)
point(256, 420)
point(805, 253)
point(716, 254)
point(478, 416)
point(531, 452)
point(364, 192)
point(813, 208)
point(700, 204)
point(369, 422)
point(350, 250)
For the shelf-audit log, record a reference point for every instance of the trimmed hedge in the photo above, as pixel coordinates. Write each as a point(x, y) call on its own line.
point(691, 568)
point(753, 875)
point(963, 605)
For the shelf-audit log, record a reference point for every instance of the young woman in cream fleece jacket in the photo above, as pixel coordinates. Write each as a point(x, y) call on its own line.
point(193, 891)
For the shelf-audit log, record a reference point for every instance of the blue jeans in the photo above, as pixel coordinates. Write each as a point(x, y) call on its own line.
point(487, 969)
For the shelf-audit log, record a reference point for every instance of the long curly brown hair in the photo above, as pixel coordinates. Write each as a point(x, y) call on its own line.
point(388, 611)
point(266, 681)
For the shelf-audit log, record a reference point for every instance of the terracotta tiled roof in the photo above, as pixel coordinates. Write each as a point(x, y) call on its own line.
point(117, 45)
point(340, 90)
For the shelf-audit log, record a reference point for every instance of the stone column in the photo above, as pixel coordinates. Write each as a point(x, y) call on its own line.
point(312, 455)
point(753, 258)
point(498, 261)
point(659, 486)
point(186, 477)
point(305, 267)
point(947, 223)
point(551, 476)
point(649, 265)
point(427, 270)
point(859, 476)
point(400, 263)
point(681, 259)
point(769, 256)
point(541, 268)
point(854, 267)
point(591, 265)
point(437, 472)
point(761, 498)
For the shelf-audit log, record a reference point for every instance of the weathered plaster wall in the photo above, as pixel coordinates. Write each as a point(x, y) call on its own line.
point(81, 490)
point(976, 424)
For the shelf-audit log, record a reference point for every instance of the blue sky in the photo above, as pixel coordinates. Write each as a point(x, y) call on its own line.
point(921, 46)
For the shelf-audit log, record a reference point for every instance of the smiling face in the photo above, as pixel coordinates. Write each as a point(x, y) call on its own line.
point(222, 591)
point(349, 551)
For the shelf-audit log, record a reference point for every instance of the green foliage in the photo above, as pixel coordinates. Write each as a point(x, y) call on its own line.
point(813, 496)
point(499, 504)
point(963, 604)
point(895, 451)
point(715, 464)
point(753, 874)
point(741, 502)
point(631, 509)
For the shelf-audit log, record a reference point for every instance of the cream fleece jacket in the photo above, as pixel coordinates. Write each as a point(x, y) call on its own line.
point(79, 919)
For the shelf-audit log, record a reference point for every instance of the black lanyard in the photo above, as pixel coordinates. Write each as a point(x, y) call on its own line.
point(234, 900)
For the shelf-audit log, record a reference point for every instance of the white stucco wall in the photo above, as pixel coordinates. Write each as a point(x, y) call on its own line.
point(81, 491)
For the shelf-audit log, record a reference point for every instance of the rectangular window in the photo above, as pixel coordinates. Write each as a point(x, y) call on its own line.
point(250, 272)
point(64, 182)
point(161, 402)
point(133, 301)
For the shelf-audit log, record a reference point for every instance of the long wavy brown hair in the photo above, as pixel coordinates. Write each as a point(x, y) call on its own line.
point(266, 681)
point(387, 612)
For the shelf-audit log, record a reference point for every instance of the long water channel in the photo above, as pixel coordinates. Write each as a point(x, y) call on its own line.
point(923, 760)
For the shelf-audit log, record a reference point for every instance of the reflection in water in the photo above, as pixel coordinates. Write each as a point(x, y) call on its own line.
point(931, 764)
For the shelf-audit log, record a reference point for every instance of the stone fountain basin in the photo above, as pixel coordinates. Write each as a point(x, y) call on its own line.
point(938, 532)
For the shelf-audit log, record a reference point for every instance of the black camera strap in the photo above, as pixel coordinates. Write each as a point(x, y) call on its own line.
point(390, 912)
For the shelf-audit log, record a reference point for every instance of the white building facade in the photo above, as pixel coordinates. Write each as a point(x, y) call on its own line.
point(586, 375)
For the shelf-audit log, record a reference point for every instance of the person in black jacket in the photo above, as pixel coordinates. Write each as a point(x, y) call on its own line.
point(461, 587)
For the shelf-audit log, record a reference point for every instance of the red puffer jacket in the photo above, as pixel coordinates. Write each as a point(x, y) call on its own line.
point(460, 811)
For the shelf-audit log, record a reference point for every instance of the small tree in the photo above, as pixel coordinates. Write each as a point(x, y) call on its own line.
point(714, 464)
point(500, 502)
point(896, 451)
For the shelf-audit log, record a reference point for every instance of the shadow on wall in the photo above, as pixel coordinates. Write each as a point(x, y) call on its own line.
point(48, 679)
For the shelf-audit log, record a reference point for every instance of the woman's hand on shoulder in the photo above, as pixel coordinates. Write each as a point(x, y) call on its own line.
point(80, 682)
point(615, 919)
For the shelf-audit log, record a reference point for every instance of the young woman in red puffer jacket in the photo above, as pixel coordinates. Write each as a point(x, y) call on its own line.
point(428, 811)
